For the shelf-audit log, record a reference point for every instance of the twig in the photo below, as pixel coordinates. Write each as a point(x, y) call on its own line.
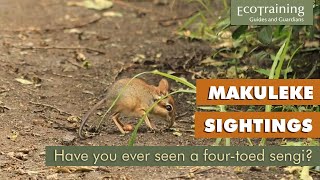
point(94, 18)
point(172, 21)
point(58, 47)
point(184, 130)
point(189, 70)
point(181, 115)
point(62, 75)
point(77, 65)
point(3, 108)
point(128, 5)
point(3, 91)
point(51, 107)
point(164, 22)
point(204, 170)
point(184, 121)
point(123, 69)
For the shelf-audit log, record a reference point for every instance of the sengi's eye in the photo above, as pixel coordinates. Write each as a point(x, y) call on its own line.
point(169, 107)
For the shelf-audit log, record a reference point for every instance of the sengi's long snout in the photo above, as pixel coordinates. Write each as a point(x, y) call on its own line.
point(171, 120)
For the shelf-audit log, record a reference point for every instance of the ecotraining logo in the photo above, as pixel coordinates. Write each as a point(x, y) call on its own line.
point(272, 12)
point(263, 10)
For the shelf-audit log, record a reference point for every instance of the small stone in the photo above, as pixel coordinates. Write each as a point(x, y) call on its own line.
point(40, 122)
point(21, 156)
point(68, 139)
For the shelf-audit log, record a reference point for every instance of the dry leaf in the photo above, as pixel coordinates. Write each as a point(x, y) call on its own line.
point(139, 58)
point(225, 44)
point(175, 129)
point(73, 31)
point(225, 34)
point(232, 72)
point(292, 169)
point(211, 62)
point(80, 56)
point(177, 134)
point(311, 44)
point(24, 81)
point(73, 119)
point(93, 4)
point(305, 173)
point(64, 169)
point(158, 55)
point(112, 14)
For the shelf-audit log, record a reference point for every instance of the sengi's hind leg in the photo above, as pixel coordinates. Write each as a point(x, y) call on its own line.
point(115, 118)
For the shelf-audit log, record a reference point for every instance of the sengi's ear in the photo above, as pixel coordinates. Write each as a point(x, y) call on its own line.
point(156, 97)
point(163, 86)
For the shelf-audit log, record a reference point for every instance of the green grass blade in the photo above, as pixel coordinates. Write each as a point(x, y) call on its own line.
point(218, 141)
point(190, 21)
point(180, 80)
point(285, 76)
point(250, 142)
point(282, 56)
point(228, 142)
point(275, 62)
